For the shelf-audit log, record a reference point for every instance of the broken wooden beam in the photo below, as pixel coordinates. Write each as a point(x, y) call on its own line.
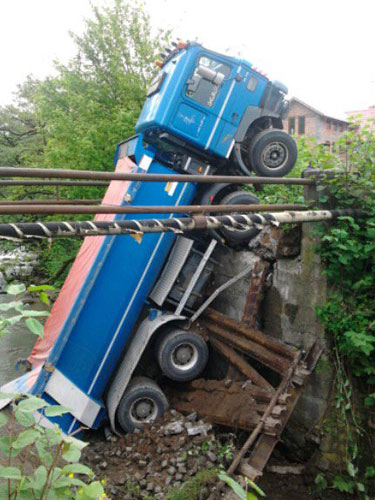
point(252, 334)
point(260, 394)
point(249, 348)
point(266, 444)
point(220, 411)
point(259, 429)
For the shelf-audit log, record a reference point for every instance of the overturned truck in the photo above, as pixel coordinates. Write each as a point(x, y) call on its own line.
point(134, 314)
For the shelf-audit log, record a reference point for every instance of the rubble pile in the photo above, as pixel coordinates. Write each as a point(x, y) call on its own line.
point(147, 463)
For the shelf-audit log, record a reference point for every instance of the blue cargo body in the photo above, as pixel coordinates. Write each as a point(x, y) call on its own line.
point(109, 303)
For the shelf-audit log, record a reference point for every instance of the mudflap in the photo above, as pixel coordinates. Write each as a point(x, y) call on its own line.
point(137, 347)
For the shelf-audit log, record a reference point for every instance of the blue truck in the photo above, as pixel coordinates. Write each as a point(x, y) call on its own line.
point(125, 317)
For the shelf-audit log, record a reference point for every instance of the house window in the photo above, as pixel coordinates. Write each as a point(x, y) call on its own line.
point(292, 125)
point(301, 125)
point(328, 123)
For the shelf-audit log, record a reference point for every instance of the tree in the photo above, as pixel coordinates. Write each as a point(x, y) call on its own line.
point(95, 99)
point(76, 118)
point(21, 136)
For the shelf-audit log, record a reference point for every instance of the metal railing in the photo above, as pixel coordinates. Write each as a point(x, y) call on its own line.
point(176, 225)
point(121, 176)
point(194, 217)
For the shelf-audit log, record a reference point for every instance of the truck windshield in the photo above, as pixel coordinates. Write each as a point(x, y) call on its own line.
point(203, 89)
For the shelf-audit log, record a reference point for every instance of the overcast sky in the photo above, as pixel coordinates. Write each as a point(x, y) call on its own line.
point(323, 50)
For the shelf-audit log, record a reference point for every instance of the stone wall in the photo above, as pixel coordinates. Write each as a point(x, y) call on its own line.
point(294, 286)
point(289, 313)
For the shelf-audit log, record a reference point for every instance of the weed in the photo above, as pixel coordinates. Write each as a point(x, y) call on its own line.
point(195, 487)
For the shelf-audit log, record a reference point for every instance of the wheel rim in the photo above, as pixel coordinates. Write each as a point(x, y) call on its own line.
point(184, 356)
point(275, 155)
point(143, 410)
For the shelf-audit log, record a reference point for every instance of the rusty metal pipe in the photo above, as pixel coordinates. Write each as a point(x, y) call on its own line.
point(148, 209)
point(28, 182)
point(119, 176)
point(16, 203)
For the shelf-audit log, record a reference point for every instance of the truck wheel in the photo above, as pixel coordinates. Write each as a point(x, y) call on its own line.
point(143, 402)
point(239, 236)
point(272, 153)
point(182, 356)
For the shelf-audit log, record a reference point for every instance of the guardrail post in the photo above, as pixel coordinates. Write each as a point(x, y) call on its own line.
point(310, 193)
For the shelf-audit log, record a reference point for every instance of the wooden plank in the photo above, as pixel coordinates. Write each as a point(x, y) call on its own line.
point(235, 359)
point(252, 334)
point(250, 348)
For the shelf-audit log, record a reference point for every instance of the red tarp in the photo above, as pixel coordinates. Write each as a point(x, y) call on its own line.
point(79, 271)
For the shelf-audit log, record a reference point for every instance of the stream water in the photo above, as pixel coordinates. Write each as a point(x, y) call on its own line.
point(15, 345)
point(15, 264)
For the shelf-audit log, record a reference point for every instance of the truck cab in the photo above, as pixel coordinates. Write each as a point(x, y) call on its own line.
point(220, 109)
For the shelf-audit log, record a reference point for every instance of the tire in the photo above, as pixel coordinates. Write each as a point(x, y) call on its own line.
point(182, 356)
point(213, 196)
point(143, 402)
point(272, 153)
point(233, 236)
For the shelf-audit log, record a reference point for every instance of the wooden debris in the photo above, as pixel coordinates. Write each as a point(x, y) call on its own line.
point(257, 336)
point(236, 360)
point(250, 348)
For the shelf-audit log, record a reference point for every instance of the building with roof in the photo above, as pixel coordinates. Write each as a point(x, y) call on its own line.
point(362, 115)
point(303, 119)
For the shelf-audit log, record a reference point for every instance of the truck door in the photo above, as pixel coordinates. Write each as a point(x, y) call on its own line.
point(203, 96)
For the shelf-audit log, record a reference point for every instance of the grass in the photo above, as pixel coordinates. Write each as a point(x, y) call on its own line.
point(192, 489)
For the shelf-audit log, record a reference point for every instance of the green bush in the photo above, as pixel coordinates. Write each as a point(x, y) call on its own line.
point(347, 248)
point(348, 251)
point(56, 472)
point(36, 462)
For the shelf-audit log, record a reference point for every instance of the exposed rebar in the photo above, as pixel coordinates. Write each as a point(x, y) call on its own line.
point(176, 225)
